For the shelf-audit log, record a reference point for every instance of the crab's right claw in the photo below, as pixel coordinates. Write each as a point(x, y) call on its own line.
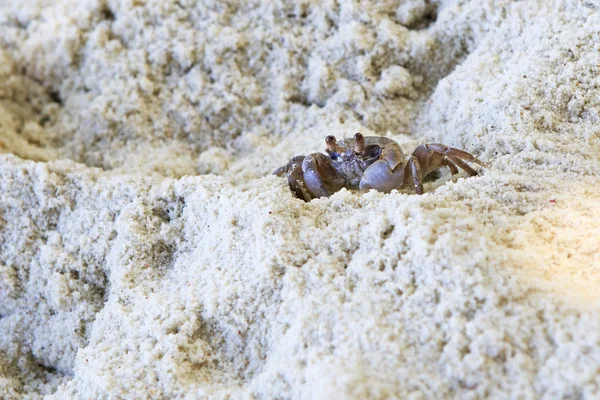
point(296, 182)
point(387, 173)
point(320, 177)
point(296, 160)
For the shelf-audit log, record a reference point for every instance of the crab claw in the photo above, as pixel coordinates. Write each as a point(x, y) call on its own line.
point(387, 173)
point(380, 177)
point(289, 166)
point(320, 177)
point(393, 155)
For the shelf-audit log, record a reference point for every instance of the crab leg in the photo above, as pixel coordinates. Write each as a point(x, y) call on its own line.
point(454, 154)
point(415, 170)
point(432, 156)
point(463, 165)
point(450, 164)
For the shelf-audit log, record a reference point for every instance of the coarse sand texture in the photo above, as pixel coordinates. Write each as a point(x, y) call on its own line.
point(146, 251)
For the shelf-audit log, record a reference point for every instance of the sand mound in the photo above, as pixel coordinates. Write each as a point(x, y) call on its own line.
point(146, 252)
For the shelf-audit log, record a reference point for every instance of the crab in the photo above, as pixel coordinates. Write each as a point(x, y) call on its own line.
point(371, 162)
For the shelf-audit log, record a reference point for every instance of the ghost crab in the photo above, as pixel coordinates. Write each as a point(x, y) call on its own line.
point(372, 162)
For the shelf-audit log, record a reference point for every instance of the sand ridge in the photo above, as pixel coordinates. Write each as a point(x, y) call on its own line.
point(146, 252)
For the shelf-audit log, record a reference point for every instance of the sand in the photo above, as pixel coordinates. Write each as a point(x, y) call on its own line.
point(147, 252)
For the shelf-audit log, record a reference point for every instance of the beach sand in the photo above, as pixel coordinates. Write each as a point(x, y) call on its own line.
point(146, 251)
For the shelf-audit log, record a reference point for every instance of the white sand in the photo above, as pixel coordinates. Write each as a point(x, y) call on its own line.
point(181, 269)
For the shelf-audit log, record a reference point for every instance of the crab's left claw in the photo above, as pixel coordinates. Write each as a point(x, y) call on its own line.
point(387, 173)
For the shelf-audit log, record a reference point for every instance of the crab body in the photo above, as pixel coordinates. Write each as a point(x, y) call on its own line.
point(350, 165)
point(372, 162)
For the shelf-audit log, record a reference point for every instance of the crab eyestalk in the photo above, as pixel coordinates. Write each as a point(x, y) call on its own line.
point(359, 143)
point(332, 146)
